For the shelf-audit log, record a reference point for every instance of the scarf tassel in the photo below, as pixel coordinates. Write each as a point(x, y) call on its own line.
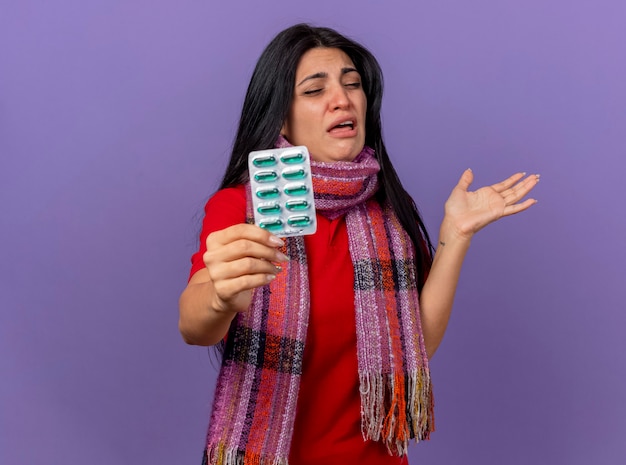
point(220, 454)
point(401, 420)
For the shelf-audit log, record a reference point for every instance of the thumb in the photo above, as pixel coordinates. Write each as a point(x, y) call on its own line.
point(466, 179)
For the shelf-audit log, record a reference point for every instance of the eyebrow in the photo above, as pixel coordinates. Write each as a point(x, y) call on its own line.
point(323, 74)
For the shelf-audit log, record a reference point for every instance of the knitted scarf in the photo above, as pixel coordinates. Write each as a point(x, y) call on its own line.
point(257, 388)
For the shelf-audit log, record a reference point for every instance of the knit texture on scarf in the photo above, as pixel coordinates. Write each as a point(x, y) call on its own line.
point(257, 388)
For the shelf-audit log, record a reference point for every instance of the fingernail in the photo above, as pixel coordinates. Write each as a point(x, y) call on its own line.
point(278, 268)
point(270, 277)
point(281, 257)
point(277, 241)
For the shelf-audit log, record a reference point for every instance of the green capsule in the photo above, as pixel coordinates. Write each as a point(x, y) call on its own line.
point(264, 160)
point(272, 224)
point(296, 205)
point(269, 209)
point(266, 176)
point(268, 193)
point(296, 189)
point(292, 158)
point(297, 173)
point(299, 221)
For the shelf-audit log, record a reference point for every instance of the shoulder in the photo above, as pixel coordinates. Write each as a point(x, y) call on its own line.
point(229, 198)
point(225, 208)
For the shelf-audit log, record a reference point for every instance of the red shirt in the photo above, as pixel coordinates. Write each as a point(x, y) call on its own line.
point(328, 420)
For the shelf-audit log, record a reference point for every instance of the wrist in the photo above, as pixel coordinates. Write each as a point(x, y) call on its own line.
point(220, 310)
point(450, 234)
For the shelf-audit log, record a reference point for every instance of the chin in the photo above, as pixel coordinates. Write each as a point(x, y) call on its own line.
point(341, 153)
point(348, 153)
point(340, 157)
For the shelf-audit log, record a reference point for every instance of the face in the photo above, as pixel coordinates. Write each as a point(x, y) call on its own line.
point(327, 113)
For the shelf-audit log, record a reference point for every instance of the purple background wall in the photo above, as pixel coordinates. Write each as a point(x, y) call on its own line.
point(115, 120)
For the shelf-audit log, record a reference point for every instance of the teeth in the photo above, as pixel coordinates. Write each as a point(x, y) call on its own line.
point(347, 123)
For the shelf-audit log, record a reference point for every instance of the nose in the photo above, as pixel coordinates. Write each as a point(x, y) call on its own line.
point(339, 97)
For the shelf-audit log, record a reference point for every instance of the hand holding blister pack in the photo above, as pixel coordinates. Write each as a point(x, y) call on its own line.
point(282, 191)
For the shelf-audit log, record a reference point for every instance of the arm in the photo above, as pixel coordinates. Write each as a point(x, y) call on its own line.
point(198, 322)
point(465, 214)
point(237, 260)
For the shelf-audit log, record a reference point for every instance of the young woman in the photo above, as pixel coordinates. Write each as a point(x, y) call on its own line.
point(327, 337)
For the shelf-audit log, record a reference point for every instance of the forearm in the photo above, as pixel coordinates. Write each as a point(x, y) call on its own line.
point(438, 292)
point(199, 323)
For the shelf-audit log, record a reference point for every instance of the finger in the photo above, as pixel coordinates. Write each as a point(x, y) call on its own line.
point(239, 249)
point(242, 267)
point(518, 207)
point(508, 182)
point(466, 179)
point(245, 231)
point(520, 190)
point(231, 288)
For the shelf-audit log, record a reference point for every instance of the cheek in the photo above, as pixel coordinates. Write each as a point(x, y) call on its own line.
point(363, 106)
point(306, 122)
point(309, 111)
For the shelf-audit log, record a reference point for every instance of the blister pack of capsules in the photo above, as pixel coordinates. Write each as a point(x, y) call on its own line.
point(282, 191)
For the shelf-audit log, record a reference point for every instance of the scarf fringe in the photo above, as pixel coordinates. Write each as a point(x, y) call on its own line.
point(396, 423)
point(220, 454)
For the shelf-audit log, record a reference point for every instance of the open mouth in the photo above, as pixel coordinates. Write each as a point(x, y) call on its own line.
point(346, 124)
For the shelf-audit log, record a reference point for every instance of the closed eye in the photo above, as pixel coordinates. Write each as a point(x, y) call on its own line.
point(353, 85)
point(312, 91)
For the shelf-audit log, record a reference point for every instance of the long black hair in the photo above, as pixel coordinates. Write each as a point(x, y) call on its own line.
point(267, 104)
